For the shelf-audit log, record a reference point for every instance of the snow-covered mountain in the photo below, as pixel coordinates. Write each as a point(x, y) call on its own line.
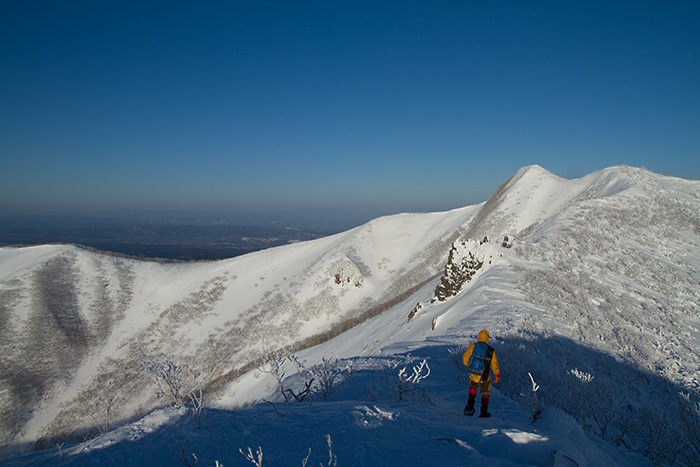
point(590, 285)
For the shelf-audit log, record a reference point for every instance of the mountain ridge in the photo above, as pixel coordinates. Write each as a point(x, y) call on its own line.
point(214, 316)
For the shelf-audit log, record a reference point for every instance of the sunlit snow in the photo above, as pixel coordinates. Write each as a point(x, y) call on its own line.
point(598, 277)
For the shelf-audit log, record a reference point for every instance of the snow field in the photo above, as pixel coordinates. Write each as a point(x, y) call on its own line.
point(365, 426)
point(601, 281)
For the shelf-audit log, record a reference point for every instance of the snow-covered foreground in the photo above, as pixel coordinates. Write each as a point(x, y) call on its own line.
point(366, 427)
point(587, 286)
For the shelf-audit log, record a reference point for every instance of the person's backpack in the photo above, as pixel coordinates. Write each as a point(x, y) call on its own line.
point(479, 363)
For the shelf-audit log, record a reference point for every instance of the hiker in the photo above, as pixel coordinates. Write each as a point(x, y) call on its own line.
point(481, 361)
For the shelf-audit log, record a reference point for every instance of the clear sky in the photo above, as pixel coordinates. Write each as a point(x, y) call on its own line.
point(358, 107)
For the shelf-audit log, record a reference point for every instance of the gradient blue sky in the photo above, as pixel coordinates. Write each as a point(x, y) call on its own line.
point(364, 108)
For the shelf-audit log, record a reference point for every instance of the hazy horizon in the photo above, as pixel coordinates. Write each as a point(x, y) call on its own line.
point(351, 108)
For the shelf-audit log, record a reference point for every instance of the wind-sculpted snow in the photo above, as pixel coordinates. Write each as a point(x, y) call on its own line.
point(609, 260)
point(527, 198)
point(623, 261)
point(620, 271)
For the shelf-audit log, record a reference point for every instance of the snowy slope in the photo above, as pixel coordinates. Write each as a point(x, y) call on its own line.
point(601, 275)
point(73, 321)
point(362, 430)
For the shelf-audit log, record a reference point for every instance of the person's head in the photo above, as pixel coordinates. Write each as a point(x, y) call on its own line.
point(483, 336)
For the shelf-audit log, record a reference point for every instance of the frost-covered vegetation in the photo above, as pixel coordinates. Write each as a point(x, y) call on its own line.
point(363, 423)
point(309, 383)
point(609, 396)
point(590, 297)
point(616, 275)
point(56, 336)
point(620, 279)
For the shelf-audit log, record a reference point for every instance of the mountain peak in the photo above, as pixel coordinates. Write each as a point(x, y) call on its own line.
point(610, 268)
point(533, 169)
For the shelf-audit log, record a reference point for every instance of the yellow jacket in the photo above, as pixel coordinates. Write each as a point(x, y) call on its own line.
point(495, 374)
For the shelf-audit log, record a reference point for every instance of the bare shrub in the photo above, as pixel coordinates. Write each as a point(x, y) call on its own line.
point(273, 363)
point(181, 456)
point(196, 397)
point(456, 357)
point(403, 380)
point(170, 378)
point(612, 398)
point(306, 389)
point(104, 425)
point(256, 458)
point(330, 376)
point(321, 381)
point(536, 407)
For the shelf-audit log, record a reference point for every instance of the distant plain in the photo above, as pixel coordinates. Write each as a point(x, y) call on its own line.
point(168, 239)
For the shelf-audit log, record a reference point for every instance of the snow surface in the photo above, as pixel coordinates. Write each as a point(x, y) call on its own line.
point(362, 433)
point(606, 264)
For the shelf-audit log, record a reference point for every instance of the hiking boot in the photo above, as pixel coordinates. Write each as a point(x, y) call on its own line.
point(485, 406)
point(469, 408)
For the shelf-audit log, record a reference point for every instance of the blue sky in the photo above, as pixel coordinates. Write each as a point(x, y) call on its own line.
point(364, 108)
